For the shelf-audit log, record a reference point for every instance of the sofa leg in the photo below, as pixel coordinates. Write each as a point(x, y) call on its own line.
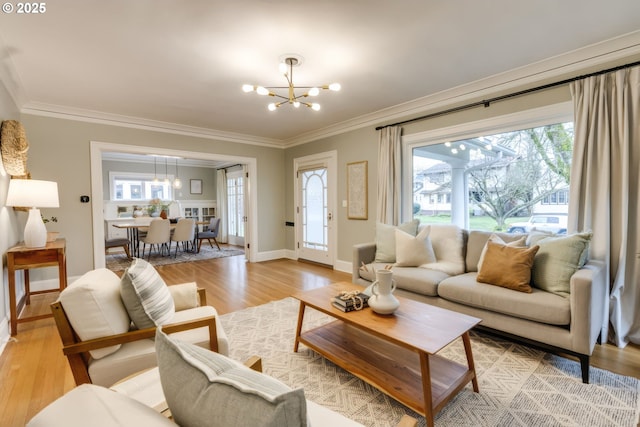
point(584, 365)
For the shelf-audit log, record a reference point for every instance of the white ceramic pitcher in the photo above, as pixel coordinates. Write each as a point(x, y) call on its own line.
point(382, 300)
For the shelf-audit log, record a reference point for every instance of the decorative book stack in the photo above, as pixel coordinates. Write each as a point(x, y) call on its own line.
point(350, 301)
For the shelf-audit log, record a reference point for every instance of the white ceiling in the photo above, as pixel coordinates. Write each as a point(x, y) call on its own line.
point(173, 63)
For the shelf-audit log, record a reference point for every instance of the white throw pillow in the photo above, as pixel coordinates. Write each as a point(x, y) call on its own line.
point(414, 251)
point(145, 295)
point(92, 405)
point(386, 239)
point(448, 245)
point(94, 308)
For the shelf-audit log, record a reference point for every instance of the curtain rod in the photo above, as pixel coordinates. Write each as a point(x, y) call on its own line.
point(487, 102)
point(229, 167)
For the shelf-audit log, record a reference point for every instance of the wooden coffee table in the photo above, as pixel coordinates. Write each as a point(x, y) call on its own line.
point(394, 353)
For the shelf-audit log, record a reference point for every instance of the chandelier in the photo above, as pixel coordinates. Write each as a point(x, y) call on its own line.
point(286, 68)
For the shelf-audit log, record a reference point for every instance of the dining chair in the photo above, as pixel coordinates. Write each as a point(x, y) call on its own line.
point(185, 233)
point(116, 243)
point(159, 234)
point(211, 233)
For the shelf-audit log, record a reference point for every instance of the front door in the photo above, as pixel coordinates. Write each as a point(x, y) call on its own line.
point(314, 210)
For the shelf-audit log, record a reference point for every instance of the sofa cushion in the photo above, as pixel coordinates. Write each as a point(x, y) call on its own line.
point(539, 306)
point(507, 266)
point(145, 295)
point(386, 239)
point(413, 251)
point(476, 242)
point(419, 280)
point(558, 259)
point(94, 308)
point(207, 388)
point(448, 243)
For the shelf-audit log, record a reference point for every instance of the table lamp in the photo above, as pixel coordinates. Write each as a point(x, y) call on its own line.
point(34, 194)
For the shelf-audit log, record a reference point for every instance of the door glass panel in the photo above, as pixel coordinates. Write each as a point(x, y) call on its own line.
point(314, 209)
point(235, 192)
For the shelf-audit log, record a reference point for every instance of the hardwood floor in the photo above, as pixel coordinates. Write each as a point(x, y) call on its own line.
point(33, 371)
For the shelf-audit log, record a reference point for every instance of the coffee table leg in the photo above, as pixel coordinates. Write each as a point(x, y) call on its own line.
point(299, 327)
point(467, 349)
point(426, 388)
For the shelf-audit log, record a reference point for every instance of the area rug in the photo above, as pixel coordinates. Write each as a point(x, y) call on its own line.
point(519, 386)
point(119, 261)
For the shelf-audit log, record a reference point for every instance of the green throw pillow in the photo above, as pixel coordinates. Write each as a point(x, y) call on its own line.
point(145, 295)
point(386, 239)
point(558, 259)
point(204, 388)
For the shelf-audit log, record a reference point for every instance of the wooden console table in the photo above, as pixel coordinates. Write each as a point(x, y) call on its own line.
point(20, 257)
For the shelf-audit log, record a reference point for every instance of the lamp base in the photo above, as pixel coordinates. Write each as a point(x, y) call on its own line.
point(35, 233)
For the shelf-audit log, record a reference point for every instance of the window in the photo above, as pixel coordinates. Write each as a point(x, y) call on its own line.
point(129, 186)
point(489, 177)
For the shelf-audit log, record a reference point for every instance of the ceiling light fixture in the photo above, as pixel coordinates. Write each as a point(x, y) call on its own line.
point(286, 68)
point(177, 183)
point(155, 170)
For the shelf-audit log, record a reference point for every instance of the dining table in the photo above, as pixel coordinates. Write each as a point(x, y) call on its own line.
point(134, 227)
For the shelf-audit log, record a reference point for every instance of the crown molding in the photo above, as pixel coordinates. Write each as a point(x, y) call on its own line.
point(61, 112)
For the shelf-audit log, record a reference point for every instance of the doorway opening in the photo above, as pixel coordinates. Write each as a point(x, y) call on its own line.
point(98, 149)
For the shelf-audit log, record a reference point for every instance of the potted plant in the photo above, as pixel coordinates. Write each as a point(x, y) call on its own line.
point(51, 235)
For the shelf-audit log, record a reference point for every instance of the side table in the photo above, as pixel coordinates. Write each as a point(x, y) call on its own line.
point(20, 257)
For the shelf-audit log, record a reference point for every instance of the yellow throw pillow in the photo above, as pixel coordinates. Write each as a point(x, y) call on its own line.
point(507, 266)
point(519, 243)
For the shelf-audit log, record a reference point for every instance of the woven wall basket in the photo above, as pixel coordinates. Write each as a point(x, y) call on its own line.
point(14, 147)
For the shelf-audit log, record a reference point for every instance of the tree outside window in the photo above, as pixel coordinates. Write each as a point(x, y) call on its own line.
point(505, 176)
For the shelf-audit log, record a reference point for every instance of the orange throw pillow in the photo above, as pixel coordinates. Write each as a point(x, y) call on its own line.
point(507, 266)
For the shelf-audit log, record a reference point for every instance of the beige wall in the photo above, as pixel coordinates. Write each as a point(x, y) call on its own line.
point(60, 151)
point(10, 228)
point(362, 144)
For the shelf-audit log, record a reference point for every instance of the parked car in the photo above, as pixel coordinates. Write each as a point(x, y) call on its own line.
point(543, 222)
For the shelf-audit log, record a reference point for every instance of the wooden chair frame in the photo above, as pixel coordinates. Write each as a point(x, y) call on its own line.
point(77, 351)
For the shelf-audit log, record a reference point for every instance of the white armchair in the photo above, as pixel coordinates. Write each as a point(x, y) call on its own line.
point(100, 340)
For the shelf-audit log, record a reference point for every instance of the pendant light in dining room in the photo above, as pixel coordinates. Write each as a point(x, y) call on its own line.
point(166, 176)
point(177, 184)
point(155, 169)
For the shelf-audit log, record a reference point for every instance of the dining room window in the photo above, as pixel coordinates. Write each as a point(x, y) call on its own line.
point(130, 186)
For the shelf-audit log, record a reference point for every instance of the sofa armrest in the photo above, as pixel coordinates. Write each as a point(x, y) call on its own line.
point(363, 253)
point(588, 291)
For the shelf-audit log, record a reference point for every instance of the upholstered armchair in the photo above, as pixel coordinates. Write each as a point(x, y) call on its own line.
point(202, 388)
point(107, 324)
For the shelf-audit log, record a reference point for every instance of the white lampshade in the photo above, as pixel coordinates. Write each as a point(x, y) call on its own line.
point(34, 194)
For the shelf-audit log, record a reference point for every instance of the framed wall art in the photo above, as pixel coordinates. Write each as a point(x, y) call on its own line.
point(357, 190)
point(196, 186)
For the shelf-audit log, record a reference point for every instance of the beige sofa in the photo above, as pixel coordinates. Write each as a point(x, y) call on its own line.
point(568, 324)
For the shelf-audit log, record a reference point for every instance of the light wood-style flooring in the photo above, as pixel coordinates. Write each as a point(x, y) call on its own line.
point(33, 371)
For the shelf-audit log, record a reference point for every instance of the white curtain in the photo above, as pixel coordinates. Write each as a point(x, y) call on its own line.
point(389, 175)
point(605, 190)
point(221, 205)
